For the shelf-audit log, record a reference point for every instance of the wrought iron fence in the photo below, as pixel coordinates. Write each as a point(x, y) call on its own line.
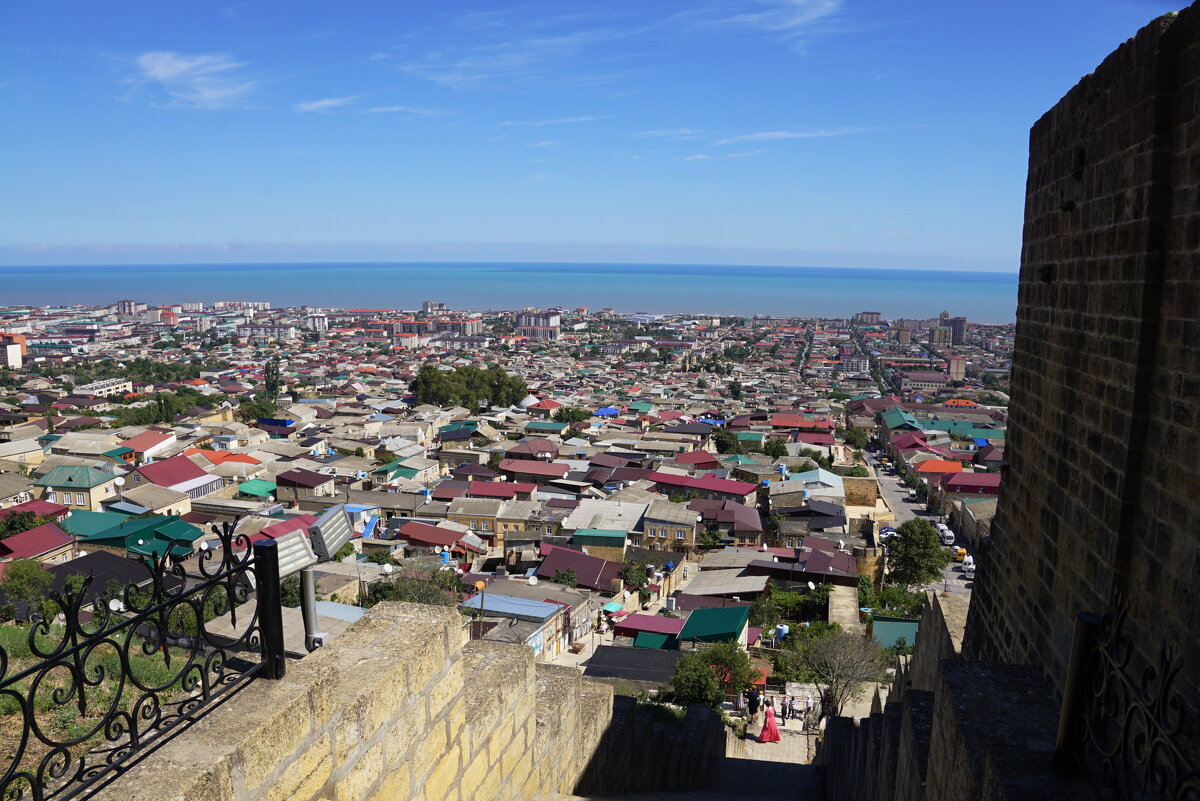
point(106, 675)
point(1124, 724)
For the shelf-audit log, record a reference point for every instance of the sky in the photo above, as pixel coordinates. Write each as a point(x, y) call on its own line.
point(863, 133)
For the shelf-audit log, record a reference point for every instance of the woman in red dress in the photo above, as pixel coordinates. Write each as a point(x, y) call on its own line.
point(770, 732)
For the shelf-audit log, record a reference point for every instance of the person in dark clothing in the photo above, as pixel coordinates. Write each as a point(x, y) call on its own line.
point(753, 701)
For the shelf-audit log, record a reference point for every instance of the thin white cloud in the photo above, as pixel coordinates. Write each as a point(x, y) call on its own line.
point(324, 104)
point(420, 112)
point(711, 156)
point(787, 15)
point(543, 143)
point(201, 81)
point(764, 136)
point(560, 121)
point(672, 133)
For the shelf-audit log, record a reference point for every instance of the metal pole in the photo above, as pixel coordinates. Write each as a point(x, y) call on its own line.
point(270, 611)
point(1087, 627)
point(308, 608)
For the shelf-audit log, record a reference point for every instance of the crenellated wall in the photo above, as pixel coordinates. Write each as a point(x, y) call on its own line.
point(398, 709)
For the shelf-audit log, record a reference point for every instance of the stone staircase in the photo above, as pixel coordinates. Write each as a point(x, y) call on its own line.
point(749, 771)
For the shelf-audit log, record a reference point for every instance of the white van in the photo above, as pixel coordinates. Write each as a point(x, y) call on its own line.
point(968, 564)
point(969, 571)
point(947, 536)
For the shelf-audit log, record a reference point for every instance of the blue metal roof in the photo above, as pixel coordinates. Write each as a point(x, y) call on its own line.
point(520, 608)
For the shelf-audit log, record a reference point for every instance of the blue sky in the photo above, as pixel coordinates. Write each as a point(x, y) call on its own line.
point(865, 133)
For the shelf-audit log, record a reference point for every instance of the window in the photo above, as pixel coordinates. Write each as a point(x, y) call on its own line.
point(52, 497)
point(486, 526)
point(679, 534)
point(79, 501)
point(472, 525)
point(636, 542)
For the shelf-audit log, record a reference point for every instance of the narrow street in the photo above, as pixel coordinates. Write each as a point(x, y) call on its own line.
point(895, 494)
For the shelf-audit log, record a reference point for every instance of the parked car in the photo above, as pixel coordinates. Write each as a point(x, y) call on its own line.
point(969, 572)
point(968, 563)
point(960, 554)
point(947, 536)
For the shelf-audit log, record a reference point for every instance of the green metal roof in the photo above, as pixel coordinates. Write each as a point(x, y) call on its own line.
point(74, 477)
point(894, 418)
point(149, 536)
point(738, 458)
point(257, 487)
point(715, 625)
point(612, 606)
point(599, 536)
point(545, 425)
point(654, 639)
point(84, 524)
point(118, 452)
point(750, 436)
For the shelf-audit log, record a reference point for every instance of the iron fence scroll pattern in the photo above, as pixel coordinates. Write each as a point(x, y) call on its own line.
point(1133, 732)
point(105, 674)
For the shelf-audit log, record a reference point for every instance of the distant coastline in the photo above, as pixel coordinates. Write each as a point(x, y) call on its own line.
point(988, 297)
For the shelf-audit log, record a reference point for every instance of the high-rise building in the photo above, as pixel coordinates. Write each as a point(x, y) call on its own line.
point(958, 368)
point(539, 318)
point(433, 307)
point(868, 317)
point(318, 322)
point(939, 335)
point(958, 330)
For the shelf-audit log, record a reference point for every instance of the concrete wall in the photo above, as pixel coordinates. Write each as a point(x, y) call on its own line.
point(397, 708)
point(1103, 480)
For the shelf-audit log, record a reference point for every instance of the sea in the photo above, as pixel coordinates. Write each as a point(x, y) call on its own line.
point(984, 297)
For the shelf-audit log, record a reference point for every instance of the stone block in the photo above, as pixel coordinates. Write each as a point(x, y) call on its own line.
point(358, 778)
point(302, 776)
point(444, 776)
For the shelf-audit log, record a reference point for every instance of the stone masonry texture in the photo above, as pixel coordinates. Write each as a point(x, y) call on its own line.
point(398, 708)
point(1102, 489)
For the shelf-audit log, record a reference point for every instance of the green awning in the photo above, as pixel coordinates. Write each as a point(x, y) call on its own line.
point(652, 639)
point(716, 624)
point(257, 487)
point(612, 606)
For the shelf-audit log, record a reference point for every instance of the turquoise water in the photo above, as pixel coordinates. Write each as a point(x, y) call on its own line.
point(986, 297)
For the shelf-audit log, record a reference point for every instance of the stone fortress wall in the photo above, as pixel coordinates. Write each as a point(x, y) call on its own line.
point(398, 708)
point(1100, 507)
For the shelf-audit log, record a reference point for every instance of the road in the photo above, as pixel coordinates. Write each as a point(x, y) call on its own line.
point(896, 496)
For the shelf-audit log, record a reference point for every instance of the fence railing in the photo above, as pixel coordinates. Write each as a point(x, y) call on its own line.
point(104, 675)
point(1124, 725)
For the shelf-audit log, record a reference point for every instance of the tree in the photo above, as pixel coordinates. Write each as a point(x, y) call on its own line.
point(271, 382)
point(764, 614)
point(289, 592)
point(27, 583)
point(732, 666)
point(726, 441)
point(494, 460)
point(855, 438)
point(775, 448)
point(571, 414)
point(701, 384)
point(433, 587)
point(344, 551)
point(566, 578)
point(381, 558)
point(19, 522)
point(915, 554)
point(735, 389)
point(709, 538)
point(842, 663)
point(257, 409)
point(695, 682)
point(858, 471)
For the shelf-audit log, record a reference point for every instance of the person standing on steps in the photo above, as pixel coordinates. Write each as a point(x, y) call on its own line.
point(770, 731)
point(752, 701)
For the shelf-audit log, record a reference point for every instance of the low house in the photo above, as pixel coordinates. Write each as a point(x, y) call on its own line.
point(533, 471)
point(46, 543)
point(480, 515)
point(179, 473)
point(78, 487)
point(716, 624)
point(299, 483)
point(739, 524)
point(155, 499)
point(591, 572)
point(14, 489)
point(669, 526)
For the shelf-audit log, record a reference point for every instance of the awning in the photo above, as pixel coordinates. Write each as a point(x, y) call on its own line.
point(612, 606)
point(651, 639)
point(257, 487)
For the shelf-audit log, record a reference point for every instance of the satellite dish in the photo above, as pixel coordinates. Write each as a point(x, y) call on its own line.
point(627, 593)
point(842, 544)
point(533, 581)
point(120, 482)
point(388, 569)
point(812, 586)
point(774, 558)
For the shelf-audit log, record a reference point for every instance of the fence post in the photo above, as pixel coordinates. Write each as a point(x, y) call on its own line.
point(270, 611)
